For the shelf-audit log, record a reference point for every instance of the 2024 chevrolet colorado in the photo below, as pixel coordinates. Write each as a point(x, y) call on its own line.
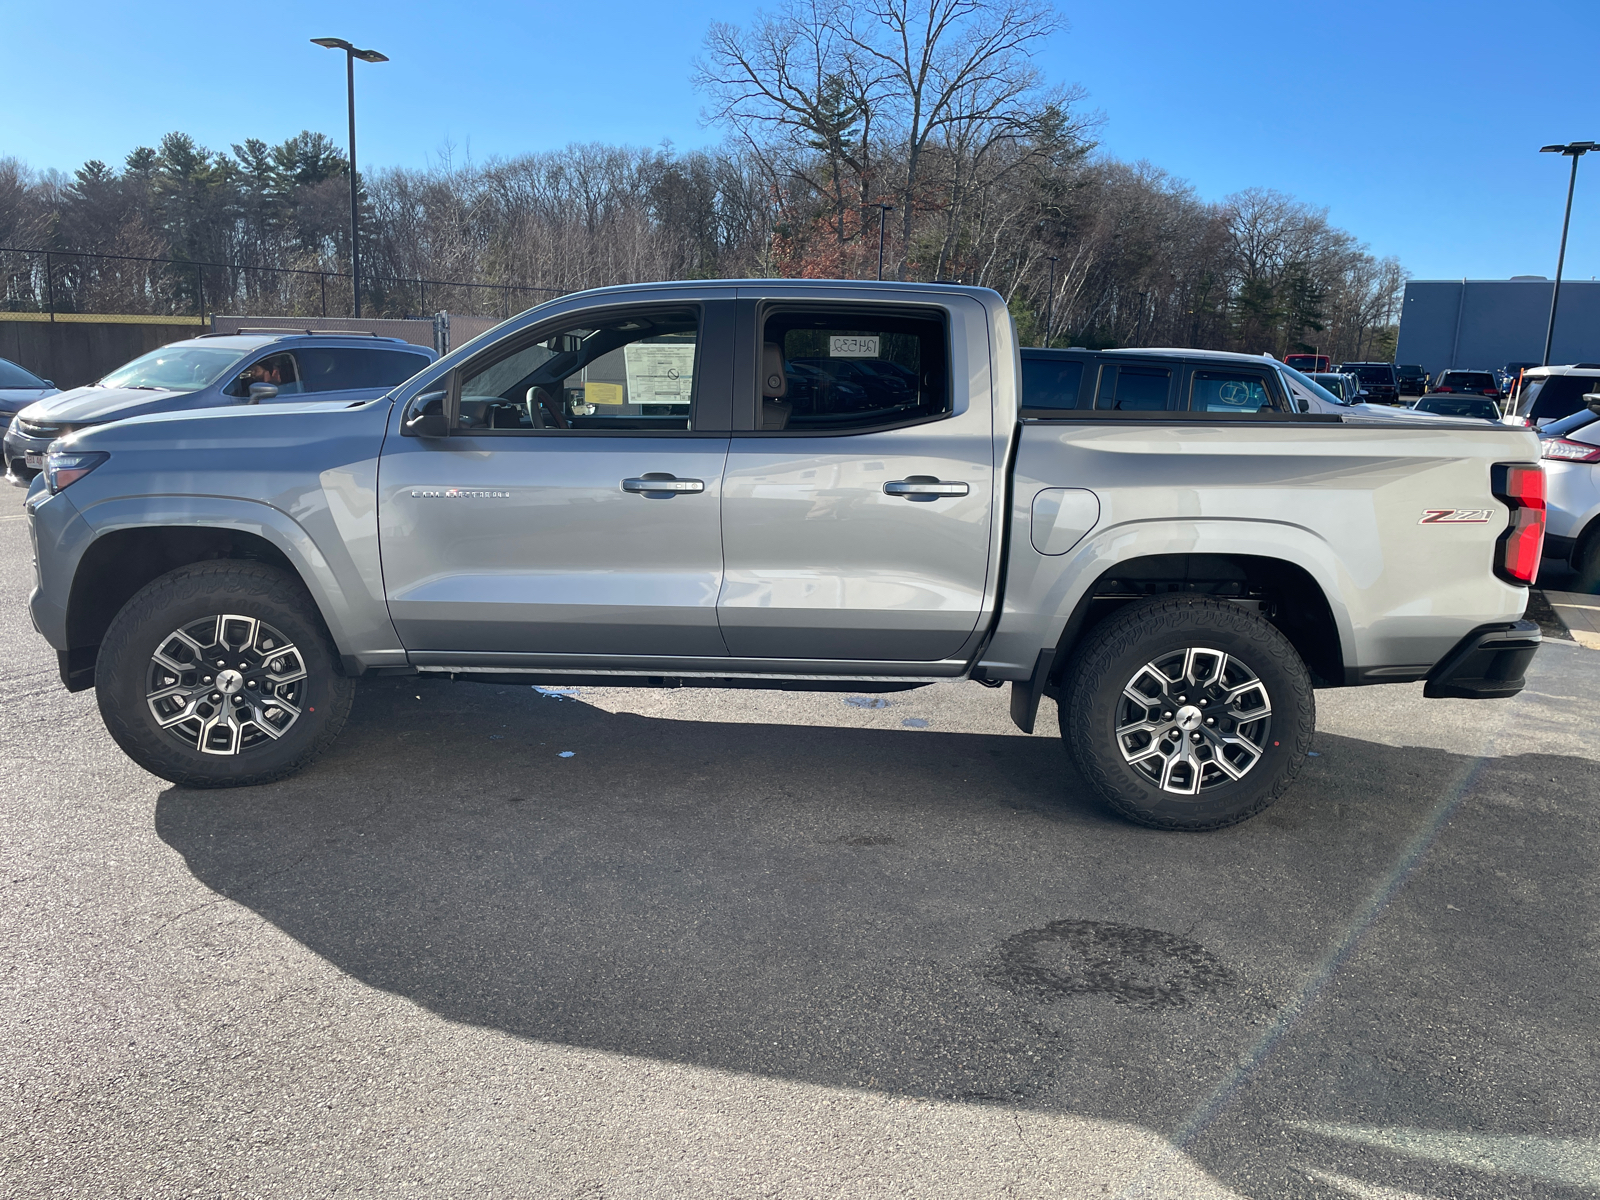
point(791, 484)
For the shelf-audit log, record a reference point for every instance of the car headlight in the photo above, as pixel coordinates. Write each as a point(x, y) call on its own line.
point(63, 468)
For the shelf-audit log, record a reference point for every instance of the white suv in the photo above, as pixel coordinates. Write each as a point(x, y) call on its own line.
point(1545, 394)
point(1570, 450)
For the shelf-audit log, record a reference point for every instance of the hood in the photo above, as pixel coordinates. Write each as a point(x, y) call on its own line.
point(13, 399)
point(93, 405)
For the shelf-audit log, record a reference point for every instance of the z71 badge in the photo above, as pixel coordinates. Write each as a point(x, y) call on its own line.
point(1455, 516)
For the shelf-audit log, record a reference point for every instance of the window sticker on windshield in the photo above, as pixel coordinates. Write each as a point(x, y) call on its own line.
point(657, 373)
point(602, 393)
point(852, 345)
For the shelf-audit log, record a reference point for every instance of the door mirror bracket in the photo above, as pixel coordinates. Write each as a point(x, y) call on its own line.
point(425, 416)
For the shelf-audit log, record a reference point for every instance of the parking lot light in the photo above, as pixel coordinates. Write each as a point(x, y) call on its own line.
point(1574, 151)
point(351, 53)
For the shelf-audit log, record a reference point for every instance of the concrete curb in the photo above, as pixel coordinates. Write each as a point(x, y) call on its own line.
point(1580, 614)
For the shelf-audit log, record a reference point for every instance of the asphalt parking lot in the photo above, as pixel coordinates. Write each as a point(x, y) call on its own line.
point(503, 942)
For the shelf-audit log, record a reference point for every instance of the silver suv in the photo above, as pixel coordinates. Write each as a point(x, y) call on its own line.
point(212, 370)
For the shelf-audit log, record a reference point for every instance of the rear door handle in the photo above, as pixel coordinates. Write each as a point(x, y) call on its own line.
point(924, 487)
point(660, 483)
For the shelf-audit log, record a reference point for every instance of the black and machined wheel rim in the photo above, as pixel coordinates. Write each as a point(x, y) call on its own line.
point(226, 684)
point(1192, 720)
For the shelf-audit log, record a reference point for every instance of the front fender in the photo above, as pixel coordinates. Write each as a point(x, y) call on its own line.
point(347, 591)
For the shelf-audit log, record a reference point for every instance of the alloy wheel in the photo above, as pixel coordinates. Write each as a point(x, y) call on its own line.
point(226, 684)
point(1192, 720)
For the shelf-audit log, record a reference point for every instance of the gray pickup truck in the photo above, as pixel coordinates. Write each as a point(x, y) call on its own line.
point(803, 485)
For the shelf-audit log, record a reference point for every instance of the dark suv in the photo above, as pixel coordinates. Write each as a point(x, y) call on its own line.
point(1378, 380)
point(1168, 380)
point(1411, 379)
point(1474, 383)
point(212, 371)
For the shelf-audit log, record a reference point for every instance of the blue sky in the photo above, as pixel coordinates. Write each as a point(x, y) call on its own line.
point(1415, 122)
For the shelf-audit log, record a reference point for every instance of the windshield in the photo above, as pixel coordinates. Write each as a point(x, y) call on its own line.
point(1312, 386)
point(175, 369)
point(13, 376)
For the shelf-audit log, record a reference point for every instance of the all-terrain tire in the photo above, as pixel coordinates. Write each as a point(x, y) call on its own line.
point(1123, 657)
point(128, 676)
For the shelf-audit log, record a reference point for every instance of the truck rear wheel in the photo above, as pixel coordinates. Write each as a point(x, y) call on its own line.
point(221, 674)
point(1186, 712)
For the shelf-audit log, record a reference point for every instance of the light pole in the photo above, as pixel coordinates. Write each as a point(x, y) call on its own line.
point(1050, 303)
point(1574, 151)
point(883, 215)
point(350, 56)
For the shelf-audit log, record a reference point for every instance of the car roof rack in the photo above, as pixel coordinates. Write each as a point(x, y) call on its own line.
point(243, 329)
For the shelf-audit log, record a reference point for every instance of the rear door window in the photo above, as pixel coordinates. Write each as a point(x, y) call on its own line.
point(1134, 387)
point(341, 368)
point(828, 371)
point(1051, 382)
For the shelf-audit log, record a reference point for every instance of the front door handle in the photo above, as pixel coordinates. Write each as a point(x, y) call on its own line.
point(660, 483)
point(924, 488)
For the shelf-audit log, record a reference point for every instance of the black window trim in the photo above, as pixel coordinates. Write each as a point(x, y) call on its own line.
point(496, 351)
point(748, 398)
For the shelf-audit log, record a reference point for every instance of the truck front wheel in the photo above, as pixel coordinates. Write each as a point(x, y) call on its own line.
point(1187, 712)
point(221, 674)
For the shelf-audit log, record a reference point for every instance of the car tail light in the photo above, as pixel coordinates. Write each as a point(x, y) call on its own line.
point(63, 468)
point(1444, 389)
point(1520, 486)
point(1567, 450)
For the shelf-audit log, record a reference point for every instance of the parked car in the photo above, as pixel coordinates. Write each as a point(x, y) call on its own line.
point(19, 387)
point(1343, 386)
point(1570, 450)
point(1445, 404)
point(1546, 394)
point(1185, 543)
point(213, 370)
point(1378, 380)
point(1410, 379)
point(1476, 383)
point(1309, 364)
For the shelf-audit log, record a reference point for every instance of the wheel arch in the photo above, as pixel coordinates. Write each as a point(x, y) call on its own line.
point(126, 556)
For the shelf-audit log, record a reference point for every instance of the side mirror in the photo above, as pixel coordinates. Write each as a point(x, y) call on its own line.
point(1592, 399)
point(425, 416)
point(262, 391)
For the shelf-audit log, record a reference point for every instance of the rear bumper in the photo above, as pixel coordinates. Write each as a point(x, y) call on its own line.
point(1488, 664)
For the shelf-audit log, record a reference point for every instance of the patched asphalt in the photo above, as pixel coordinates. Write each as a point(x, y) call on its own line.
point(605, 942)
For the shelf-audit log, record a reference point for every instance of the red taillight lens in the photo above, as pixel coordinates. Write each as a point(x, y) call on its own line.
point(1444, 389)
point(1520, 486)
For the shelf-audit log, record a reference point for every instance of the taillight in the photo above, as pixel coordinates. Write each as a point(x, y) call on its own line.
point(1444, 389)
point(1567, 450)
point(1520, 486)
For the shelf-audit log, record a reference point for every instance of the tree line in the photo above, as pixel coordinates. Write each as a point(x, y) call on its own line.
point(918, 129)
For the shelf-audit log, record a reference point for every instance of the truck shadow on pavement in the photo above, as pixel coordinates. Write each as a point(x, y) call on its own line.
point(1300, 999)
